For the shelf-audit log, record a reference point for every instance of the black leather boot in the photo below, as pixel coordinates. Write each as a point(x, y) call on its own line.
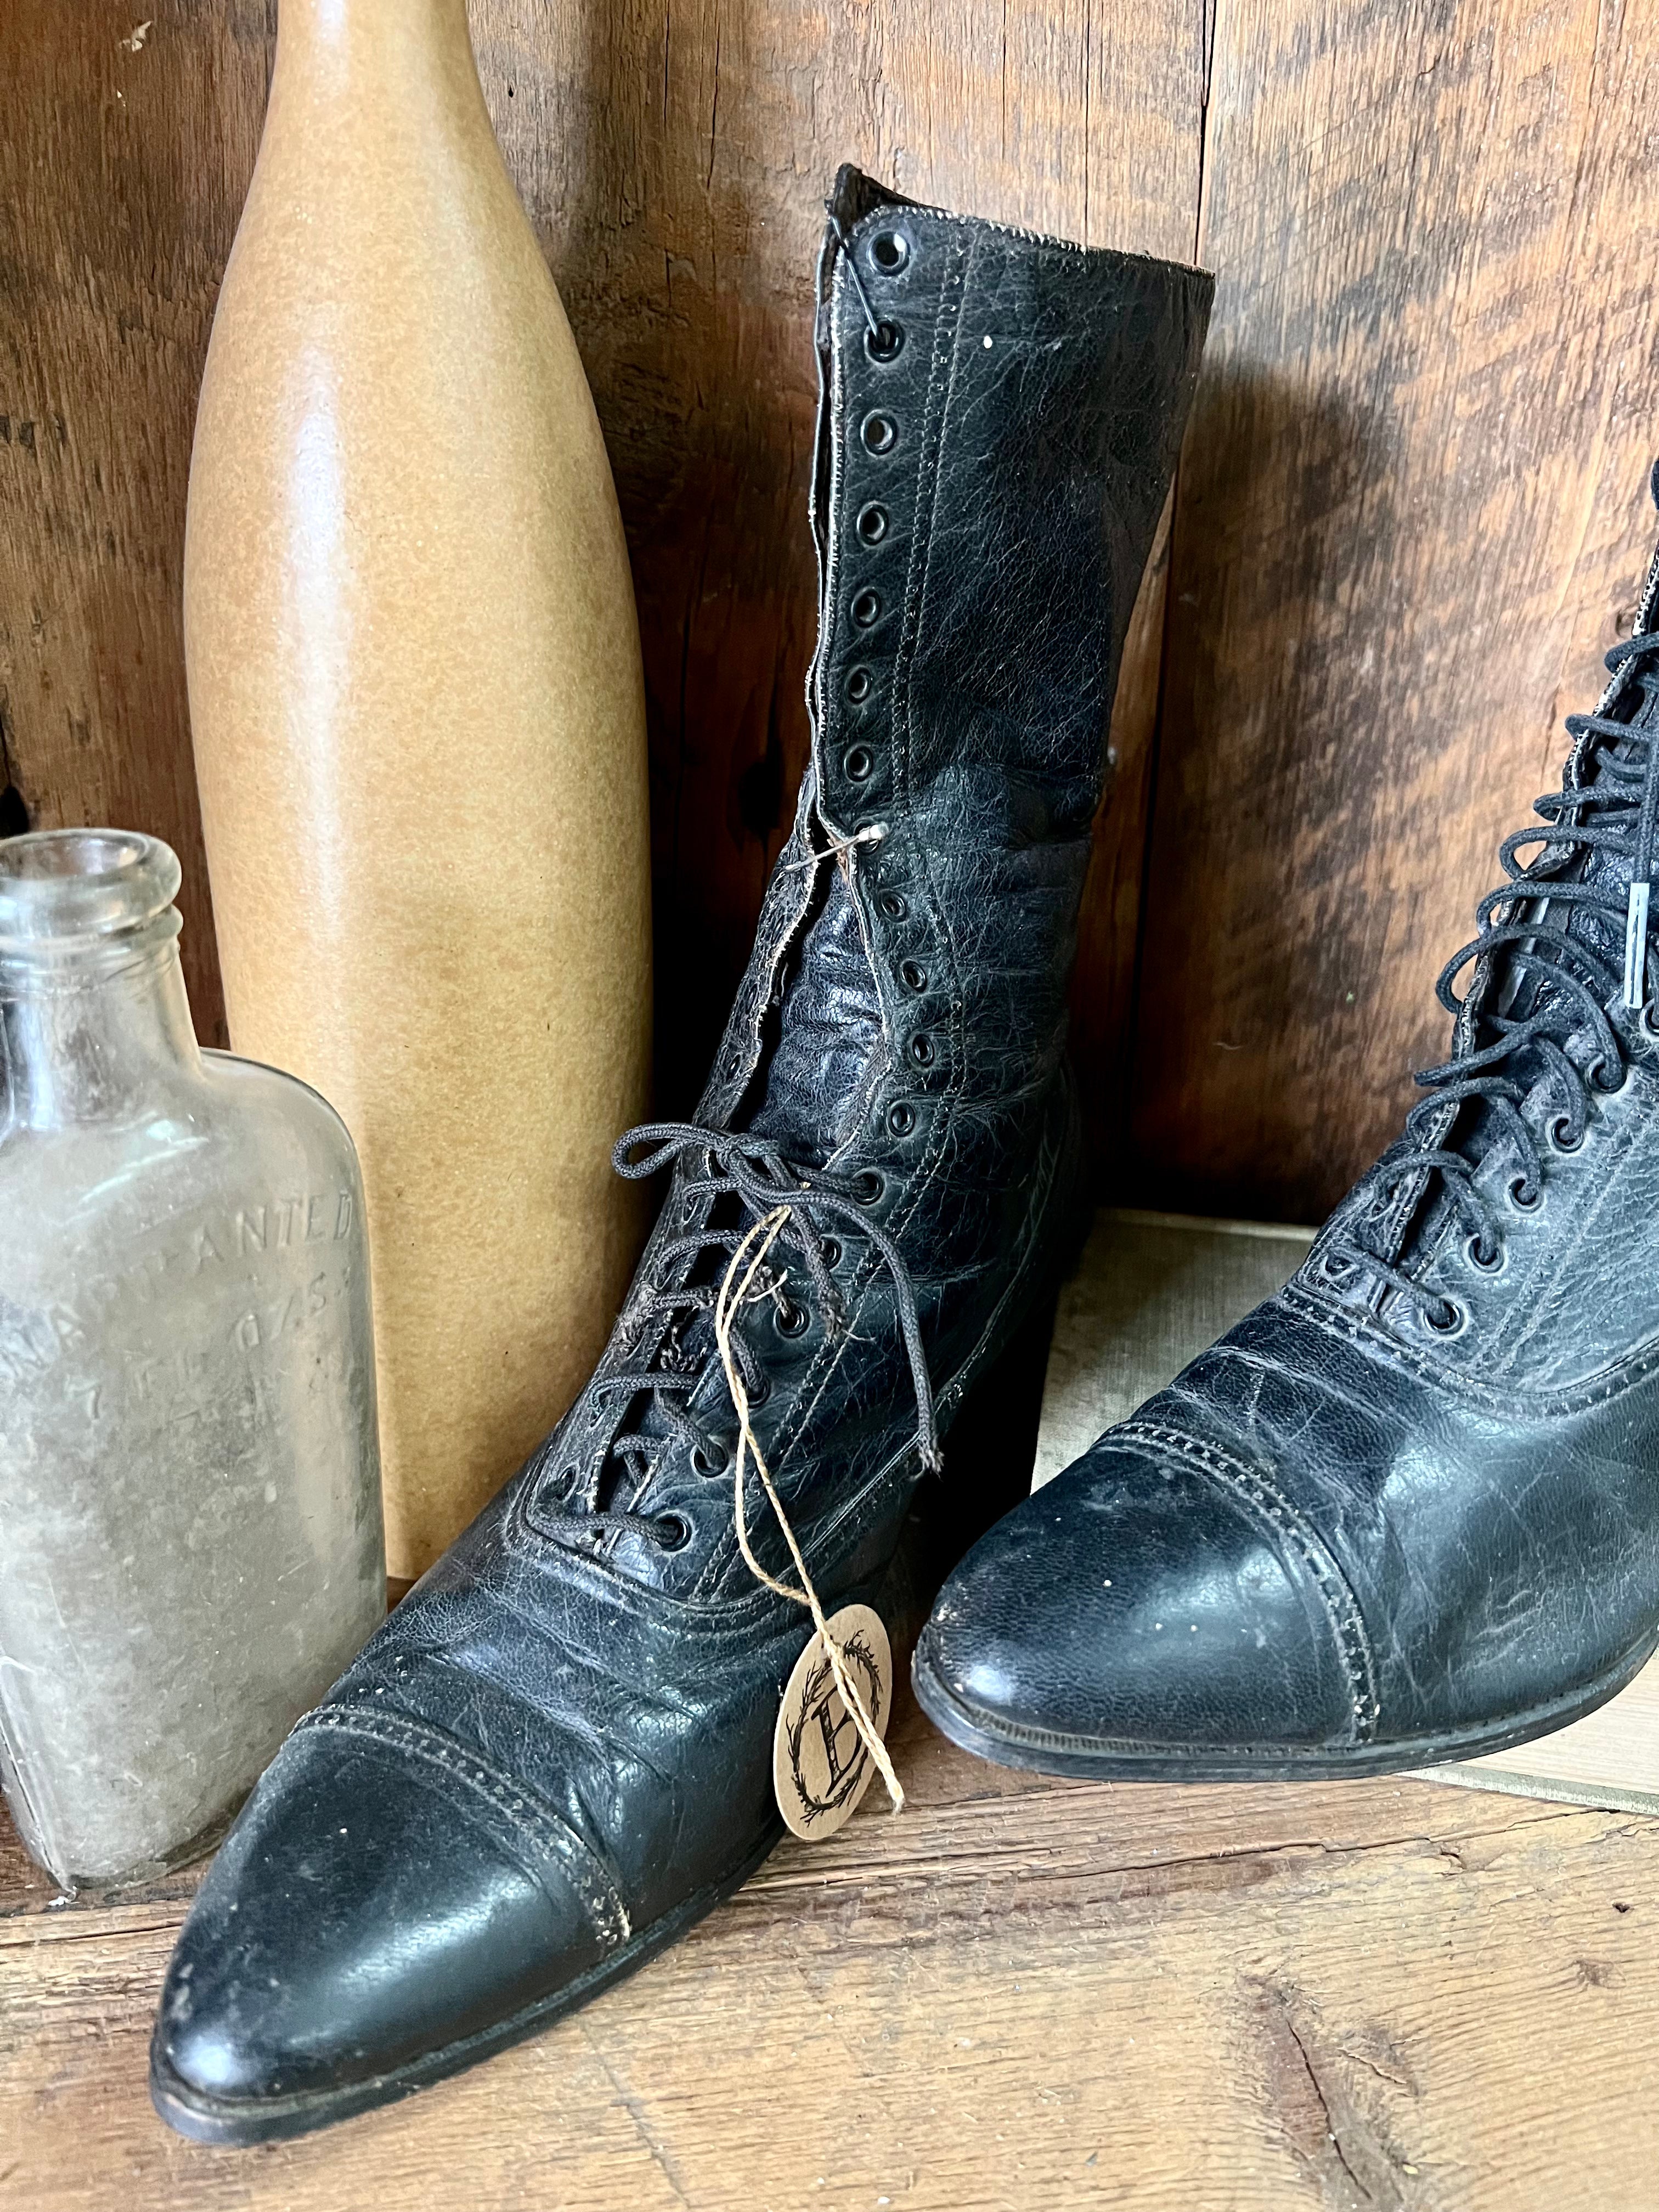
point(1408, 1510)
point(556, 1755)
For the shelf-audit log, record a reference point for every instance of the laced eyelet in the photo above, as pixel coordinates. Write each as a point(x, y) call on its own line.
point(878, 432)
point(884, 342)
point(893, 905)
point(859, 684)
point(760, 1390)
point(832, 1252)
point(1645, 1023)
point(860, 763)
point(1446, 1319)
point(890, 250)
point(1472, 1253)
point(1515, 1191)
point(868, 1186)
point(707, 1467)
point(913, 975)
point(872, 524)
point(922, 1049)
point(1607, 1089)
point(1559, 1142)
point(901, 1118)
point(673, 1532)
point(789, 1319)
point(866, 607)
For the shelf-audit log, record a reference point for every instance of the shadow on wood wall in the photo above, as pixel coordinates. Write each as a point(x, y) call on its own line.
point(1408, 513)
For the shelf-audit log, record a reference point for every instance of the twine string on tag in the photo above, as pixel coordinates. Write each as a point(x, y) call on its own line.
point(734, 1295)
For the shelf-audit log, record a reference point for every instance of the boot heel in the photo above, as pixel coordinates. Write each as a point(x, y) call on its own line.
point(989, 1453)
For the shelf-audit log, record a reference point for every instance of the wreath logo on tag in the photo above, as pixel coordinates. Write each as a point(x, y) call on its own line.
point(821, 1765)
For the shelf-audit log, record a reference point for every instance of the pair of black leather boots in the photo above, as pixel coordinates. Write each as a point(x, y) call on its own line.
point(1407, 1511)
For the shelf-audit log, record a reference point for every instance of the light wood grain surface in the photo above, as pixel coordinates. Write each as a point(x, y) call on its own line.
point(1019, 1994)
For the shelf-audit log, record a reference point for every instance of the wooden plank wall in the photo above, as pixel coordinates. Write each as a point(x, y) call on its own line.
point(1412, 515)
point(1408, 518)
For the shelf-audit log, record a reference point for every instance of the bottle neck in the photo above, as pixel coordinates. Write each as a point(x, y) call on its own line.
point(96, 1039)
point(400, 48)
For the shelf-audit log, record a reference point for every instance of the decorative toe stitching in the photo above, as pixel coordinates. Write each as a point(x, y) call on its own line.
point(535, 1832)
point(1258, 1488)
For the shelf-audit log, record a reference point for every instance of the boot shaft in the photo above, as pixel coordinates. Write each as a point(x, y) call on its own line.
point(999, 419)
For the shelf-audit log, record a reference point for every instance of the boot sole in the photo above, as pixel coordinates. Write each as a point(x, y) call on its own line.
point(231, 2120)
point(1081, 1759)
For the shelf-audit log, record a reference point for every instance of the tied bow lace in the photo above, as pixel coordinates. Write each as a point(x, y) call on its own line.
point(1537, 982)
point(786, 1205)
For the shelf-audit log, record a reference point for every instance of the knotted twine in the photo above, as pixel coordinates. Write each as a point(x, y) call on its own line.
point(734, 1296)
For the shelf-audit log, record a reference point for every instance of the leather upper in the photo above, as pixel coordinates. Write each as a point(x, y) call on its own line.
point(572, 1698)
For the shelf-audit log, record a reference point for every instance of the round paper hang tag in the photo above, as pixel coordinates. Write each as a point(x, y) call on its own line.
point(821, 1766)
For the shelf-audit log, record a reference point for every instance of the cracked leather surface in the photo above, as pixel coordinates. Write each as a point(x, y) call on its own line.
point(560, 1740)
point(1380, 1522)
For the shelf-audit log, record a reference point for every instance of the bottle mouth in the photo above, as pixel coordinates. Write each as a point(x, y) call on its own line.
point(65, 891)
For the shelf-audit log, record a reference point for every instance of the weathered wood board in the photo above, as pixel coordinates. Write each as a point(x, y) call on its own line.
point(1018, 1994)
point(124, 160)
point(1412, 515)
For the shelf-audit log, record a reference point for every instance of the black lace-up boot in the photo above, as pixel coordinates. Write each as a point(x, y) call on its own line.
point(1408, 1510)
point(557, 1753)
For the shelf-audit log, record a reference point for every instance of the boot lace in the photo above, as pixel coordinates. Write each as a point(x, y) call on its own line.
point(730, 1182)
point(1536, 982)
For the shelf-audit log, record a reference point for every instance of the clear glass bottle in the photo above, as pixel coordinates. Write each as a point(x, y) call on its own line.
point(190, 1545)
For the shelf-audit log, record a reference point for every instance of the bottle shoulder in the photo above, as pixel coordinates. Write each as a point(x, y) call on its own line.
point(252, 1087)
point(238, 1136)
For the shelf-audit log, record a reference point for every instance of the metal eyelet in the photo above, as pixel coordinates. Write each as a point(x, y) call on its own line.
point(673, 1532)
point(913, 975)
point(872, 524)
point(901, 1118)
point(708, 1469)
point(894, 905)
point(884, 342)
point(1644, 1022)
point(879, 433)
point(1472, 1254)
point(1607, 1089)
point(760, 1390)
point(866, 607)
point(890, 250)
point(859, 684)
point(832, 1254)
point(1558, 1143)
point(1446, 1320)
point(1514, 1191)
point(789, 1319)
point(860, 763)
point(564, 1482)
point(921, 1050)
point(868, 1186)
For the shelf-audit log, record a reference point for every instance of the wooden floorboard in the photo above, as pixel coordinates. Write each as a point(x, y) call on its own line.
point(1018, 1994)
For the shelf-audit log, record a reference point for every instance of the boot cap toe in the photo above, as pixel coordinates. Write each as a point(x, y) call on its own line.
point(1133, 1608)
